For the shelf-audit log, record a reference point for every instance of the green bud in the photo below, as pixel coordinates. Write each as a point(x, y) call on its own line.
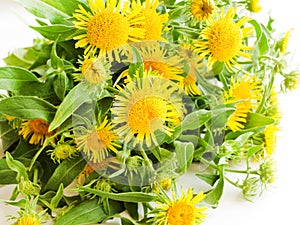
point(103, 185)
point(250, 188)
point(26, 187)
point(267, 171)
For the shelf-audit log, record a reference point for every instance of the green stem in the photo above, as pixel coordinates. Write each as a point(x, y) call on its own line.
point(223, 80)
point(37, 155)
point(233, 183)
point(35, 176)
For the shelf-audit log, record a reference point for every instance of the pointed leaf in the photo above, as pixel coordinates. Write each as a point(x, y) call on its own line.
point(184, 154)
point(88, 212)
point(27, 107)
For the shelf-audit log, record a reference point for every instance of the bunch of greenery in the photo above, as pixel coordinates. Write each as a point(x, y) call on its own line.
point(118, 99)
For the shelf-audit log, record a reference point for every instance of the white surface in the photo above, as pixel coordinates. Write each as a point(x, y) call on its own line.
point(279, 205)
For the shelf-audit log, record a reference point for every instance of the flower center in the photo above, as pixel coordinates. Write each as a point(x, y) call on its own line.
point(108, 30)
point(161, 68)
point(147, 115)
point(181, 214)
point(105, 137)
point(225, 39)
point(202, 9)
point(39, 126)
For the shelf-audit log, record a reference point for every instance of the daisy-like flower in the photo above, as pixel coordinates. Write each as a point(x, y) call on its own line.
point(96, 143)
point(181, 210)
point(107, 27)
point(222, 39)
point(144, 107)
point(94, 71)
point(270, 138)
point(254, 6)
point(201, 9)
point(246, 93)
point(28, 220)
point(154, 21)
point(282, 45)
point(36, 131)
point(157, 58)
point(189, 82)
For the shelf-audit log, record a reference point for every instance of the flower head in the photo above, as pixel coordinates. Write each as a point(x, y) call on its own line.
point(157, 58)
point(94, 71)
point(28, 220)
point(267, 171)
point(202, 9)
point(154, 21)
point(222, 39)
point(245, 93)
point(36, 130)
point(107, 27)
point(96, 143)
point(254, 6)
point(270, 138)
point(144, 107)
point(181, 210)
point(62, 151)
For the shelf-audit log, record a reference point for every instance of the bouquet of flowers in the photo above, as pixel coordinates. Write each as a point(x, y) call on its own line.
point(118, 99)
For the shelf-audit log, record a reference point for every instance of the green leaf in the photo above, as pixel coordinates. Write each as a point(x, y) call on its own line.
point(58, 196)
point(16, 166)
point(79, 95)
point(195, 119)
point(213, 196)
point(7, 176)
point(8, 135)
point(14, 78)
point(125, 197)
point(242, 139)
point(60, 85)
point(258, 120)
point(184, 154)
point(88, 212)
point(56, 11)
point(132, 209)
point(252, 150)
point(56, 32)
point(27, 107)
point(65, 173)
point(234, 135)
point(208, 178)
point(262, 41)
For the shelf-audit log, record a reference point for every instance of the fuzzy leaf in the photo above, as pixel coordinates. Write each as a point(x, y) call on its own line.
point(125, 197)
point(87, 212)
point(79, 95)
point(258, 120)
point(184, 154)
point(56, 32)
point(214, 195)
point(65, 173)
point(27, 107)
point(208, 178)
point(16, 166)
point(14, 78)
point(195, 119)
point(7, 176)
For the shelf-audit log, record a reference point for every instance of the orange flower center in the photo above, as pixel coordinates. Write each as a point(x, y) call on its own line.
point(39, 126)
point(181, 214)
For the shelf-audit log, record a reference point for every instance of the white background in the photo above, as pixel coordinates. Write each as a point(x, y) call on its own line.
point(279, 205)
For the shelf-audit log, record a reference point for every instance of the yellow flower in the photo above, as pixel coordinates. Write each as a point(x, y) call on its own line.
point(254, 6)
point(62, 151)
point(222, 39)
point(180, 210)
point(157, 58)
point(189, 82)
point(154, 21)
point(144, 107)
point(28, 220)
point(37, 130)
point(95, 70)
point(246, 93)
point(108, 27)
point(202, 9)
point(270, 138)
point(96, 143)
